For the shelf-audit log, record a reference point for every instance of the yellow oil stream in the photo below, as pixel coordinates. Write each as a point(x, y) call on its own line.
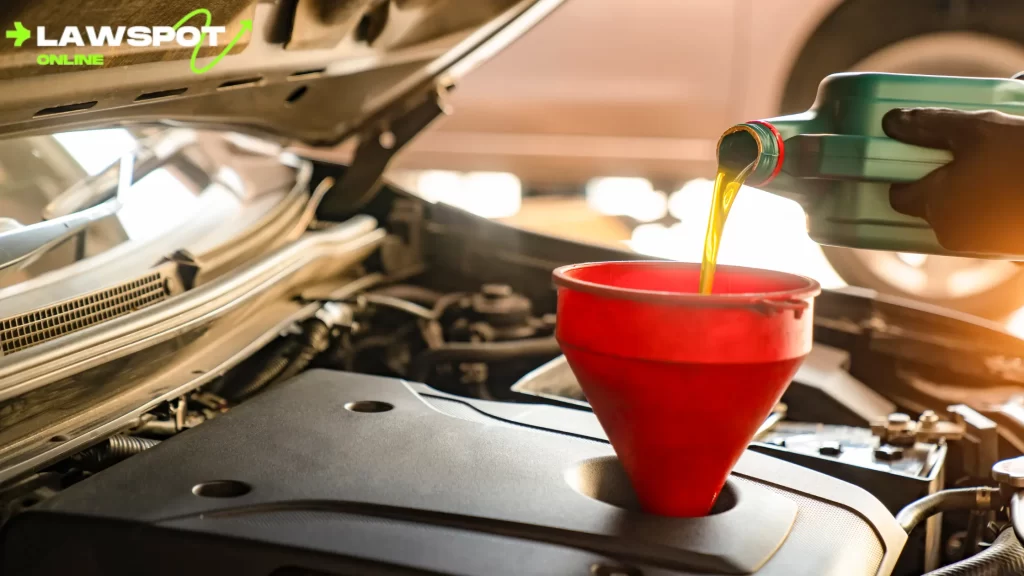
point(727, 186)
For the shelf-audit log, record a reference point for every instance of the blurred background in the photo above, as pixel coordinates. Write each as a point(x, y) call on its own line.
point(601, 124)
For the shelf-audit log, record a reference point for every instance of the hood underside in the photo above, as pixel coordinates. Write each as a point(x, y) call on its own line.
point(315, 71)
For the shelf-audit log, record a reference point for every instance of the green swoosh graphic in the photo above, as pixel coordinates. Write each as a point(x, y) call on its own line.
point(246, 27)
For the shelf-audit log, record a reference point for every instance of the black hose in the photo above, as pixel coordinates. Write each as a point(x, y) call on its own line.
point(114, 450)
point(1005, 557)
point(285, 362)
point(278, 359)
point(421, 366)
point(317, 338)
point(981, 498)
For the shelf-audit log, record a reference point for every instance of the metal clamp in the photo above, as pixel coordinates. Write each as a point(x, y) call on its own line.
point(901, 430)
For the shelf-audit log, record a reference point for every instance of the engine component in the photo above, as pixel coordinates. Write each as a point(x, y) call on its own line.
point(896, 475)
point(981, 498)
point(291, 355)
point(823, 390)
point(1005, 557)
point(1010, 474)
point(553, 380)
point(979, 434)
point(115, 449)
point(899, 429)
point(481, 352)
point(345, 474)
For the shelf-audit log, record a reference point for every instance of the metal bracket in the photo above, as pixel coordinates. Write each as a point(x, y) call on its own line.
point(980, 435)
point(981, 451)
point(377, 145)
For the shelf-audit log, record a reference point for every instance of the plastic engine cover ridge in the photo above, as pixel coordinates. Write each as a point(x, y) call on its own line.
point(336, 473)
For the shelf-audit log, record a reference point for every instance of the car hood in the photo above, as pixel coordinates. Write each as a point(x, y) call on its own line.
point(312, 71)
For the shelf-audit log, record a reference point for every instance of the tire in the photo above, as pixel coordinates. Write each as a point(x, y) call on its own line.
point(923, 37)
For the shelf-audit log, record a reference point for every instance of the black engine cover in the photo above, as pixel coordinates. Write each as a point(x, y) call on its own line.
point(342, 474)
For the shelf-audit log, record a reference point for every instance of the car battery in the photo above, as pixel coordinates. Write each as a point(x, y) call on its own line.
point(896, 475)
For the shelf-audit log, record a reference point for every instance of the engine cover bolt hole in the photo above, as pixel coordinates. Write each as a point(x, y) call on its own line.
point(221, 489)
point(368, 406)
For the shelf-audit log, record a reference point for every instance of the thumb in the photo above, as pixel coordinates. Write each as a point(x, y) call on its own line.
point(930, 127)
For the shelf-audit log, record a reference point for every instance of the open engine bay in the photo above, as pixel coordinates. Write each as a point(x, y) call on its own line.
point(383, 394)
point(313, 374)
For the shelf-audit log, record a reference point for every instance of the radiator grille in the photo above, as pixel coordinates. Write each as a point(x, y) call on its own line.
point(31, 328)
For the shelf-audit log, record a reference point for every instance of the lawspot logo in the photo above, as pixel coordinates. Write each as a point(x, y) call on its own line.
point(180, 34)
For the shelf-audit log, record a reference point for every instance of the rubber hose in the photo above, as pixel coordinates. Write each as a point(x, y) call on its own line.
point(280, 357)
point(114, 450)
point(480, 352)
point(399, 304)
point(982, 498)
point(1005, 557)
point(317, 338)
point(410, 292)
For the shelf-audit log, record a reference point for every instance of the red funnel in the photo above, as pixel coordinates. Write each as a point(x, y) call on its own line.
point(679, 381)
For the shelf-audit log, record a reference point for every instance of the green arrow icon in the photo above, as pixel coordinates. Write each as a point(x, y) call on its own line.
point(20, 34)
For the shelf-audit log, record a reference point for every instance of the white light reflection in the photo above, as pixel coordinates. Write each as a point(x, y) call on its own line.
point(486, 194)
point(155, 204)
point(94, 150)
point(1015, 324)
point(622, 196)
point(763, 231)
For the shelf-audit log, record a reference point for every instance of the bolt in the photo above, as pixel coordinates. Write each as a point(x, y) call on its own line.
point(496, 290)
point(928, 419)
point(386, 140)
point(899, 428)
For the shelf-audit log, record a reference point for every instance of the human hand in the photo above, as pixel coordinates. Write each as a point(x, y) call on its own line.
point(976, 202)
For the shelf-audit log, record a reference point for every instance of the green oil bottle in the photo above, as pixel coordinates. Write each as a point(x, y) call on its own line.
point(836, 161)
